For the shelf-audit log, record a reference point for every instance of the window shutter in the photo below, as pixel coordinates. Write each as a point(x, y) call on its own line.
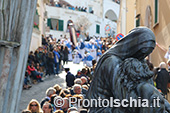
point(98, 29)
point(49, 23)
point(60, 25)
point(137, 22)
point(156, 11)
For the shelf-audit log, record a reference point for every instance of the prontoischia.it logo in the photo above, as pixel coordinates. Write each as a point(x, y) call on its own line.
point(111, 102)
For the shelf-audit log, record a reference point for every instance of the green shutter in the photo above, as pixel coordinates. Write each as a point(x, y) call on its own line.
point(98, 29)
point(49, 23)
point(60, 25)
point(156, 11)
point(137, 22)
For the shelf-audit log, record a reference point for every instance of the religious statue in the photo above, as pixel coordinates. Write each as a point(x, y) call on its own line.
point(122, 73)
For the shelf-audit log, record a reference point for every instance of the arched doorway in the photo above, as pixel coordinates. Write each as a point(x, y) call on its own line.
point(110, 14)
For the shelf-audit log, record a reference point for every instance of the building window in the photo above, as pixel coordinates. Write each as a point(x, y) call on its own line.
point(156, 13)
point(90, 9)
point(98, 29)
point(138, 20)
point(55, 24)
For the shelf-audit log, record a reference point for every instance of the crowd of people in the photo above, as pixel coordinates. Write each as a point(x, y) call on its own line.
point(50, 60)
point(68, 6)
point(77, 87)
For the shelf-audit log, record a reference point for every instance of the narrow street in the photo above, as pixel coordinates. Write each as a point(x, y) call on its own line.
point(38, 90)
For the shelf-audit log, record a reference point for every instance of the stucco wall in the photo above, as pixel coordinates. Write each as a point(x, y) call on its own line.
point(130, 14)
point(161, 30)
point(35, 40)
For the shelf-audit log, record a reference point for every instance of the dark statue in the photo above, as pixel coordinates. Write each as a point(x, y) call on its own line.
point(122, 73)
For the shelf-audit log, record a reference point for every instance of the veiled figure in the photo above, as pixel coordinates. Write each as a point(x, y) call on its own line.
point(122, 73)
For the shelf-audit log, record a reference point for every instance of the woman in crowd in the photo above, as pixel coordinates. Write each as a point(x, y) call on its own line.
point(34, 106)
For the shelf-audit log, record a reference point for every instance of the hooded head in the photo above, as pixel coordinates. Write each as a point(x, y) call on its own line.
point(138, 44)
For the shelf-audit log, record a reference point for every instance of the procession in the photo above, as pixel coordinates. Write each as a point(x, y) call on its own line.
point(88, 56)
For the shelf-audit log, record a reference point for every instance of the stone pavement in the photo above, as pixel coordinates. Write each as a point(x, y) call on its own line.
point(38, 90)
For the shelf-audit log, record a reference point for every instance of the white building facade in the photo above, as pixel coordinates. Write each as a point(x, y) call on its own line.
point(100, 18)
point(39, 24)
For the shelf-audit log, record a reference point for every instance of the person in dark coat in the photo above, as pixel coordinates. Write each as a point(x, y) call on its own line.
point(162, 79)
point(65, 52)
point(69, 78)
point(50, 64)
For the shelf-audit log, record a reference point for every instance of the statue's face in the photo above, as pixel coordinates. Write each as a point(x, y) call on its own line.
point(146, 48)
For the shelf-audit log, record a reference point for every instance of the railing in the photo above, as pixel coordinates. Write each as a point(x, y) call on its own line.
point(70, 7)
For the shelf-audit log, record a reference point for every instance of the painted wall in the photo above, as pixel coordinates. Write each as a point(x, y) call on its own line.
point(161, 30)
point(35, 40)
point(130, 14)
point(126, 20)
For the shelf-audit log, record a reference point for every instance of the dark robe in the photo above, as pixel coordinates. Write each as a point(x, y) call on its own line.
point(138, 44)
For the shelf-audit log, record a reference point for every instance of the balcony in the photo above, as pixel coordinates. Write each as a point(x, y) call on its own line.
point(117, 1)
point(64, 4)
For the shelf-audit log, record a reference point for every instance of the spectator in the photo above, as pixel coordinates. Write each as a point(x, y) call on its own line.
point(77, 89)
point(84, 80)
point(85, 87)
point(56, 60)
point(65, 52)
point(60, 51)
point(162, 79)
point(78, 74)
point(64, 92)
point(31, 57)
point(78, 81)
point(72, 109)
point(168, 65)
point(26, 111)
point(33, 72)
point(26, 86)
point(57, 88)
point(49, 92)
point(50, 64)
point(44, 40)
point(66, 105)
point(85, 10)
point(59, 101)
point(59, 111)
point(69, 78)
point(52, 100)
point(77, 104)
point(34, 106)
point(47, 108)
